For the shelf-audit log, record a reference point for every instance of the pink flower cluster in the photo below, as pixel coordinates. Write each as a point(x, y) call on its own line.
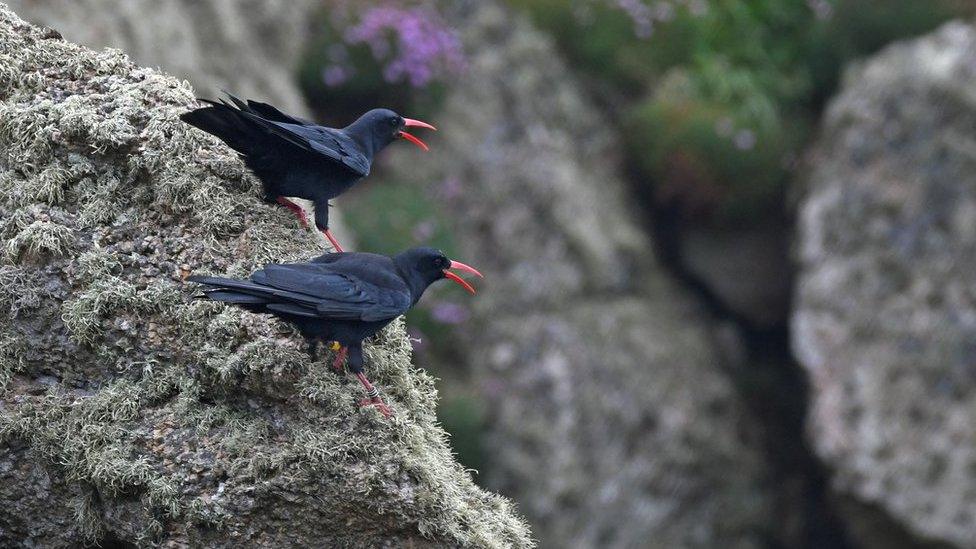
point(413, 44)
point(645, 13)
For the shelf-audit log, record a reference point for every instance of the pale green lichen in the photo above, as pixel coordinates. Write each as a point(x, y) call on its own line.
point(40, 237)
point(194, 421)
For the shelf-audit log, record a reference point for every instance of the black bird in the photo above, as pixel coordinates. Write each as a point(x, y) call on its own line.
point(295, 157)
point(341, 297)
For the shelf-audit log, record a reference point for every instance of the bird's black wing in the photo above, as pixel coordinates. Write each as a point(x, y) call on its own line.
point(269, 112)
point(263, 110)
point(325, 142)
point(334, 292)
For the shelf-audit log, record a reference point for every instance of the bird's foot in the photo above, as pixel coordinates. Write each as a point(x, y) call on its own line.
point(340, 357)
point(380, 405)
point(332, 240)
point(295, 209)
point(372, 396)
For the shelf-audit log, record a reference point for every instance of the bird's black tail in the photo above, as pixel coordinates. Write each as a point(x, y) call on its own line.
point(226, 122)
point(253, 297)
point(244, 293)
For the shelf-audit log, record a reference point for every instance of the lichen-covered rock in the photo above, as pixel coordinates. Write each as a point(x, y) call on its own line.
point(611, 421)
point(885, 314)
point(132, 413)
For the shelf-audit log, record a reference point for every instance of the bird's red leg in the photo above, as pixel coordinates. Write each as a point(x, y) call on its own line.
point(295, 208)
point(335, 243)
point(373, 396)
point(339, 359)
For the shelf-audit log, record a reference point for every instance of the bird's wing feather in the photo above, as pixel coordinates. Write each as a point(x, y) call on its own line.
point(235, 297)
point(321, 141)
point(247, 291)
point(241, 124)
point(334, 144)
point(263, 110)
point(336, 294)
point(291, 309)
point(269, 112)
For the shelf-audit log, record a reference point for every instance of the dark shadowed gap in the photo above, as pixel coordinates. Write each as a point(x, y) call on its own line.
point(110, 541)
point(774, 388)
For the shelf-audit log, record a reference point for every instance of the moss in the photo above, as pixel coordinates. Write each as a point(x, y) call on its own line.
point(176, 420)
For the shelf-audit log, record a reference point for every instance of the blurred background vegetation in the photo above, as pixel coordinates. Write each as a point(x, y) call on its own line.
point(713, 101)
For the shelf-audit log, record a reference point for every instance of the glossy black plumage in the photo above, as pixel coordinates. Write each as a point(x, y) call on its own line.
point(341, 297)
point(296, 158)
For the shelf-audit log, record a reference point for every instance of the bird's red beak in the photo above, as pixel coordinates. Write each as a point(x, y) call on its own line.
point(411, 123)
point(457, 279)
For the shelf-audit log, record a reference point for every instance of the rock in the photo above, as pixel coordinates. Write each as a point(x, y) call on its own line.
point(251, 48)
point(611, 421)
point(745, 269)
point(134, 414)
point(885, 313)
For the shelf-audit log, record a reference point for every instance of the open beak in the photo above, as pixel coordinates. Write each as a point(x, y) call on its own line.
point(411, 123)
point(457, 279)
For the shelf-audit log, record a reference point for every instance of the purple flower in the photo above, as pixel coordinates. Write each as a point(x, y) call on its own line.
point(641, 14)
point(744, 140)
point(822, 9)
point(449, 313)
point(646, 13)
point(336, 75)
point(412, 43)
point(424, 230)
point(451, 188)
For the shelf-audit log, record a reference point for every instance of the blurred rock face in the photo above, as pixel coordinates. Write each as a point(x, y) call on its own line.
point(611, 421)
point(885, 318)
point(249, 47)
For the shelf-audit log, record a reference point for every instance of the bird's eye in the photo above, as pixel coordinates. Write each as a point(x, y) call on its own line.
point(394, 122)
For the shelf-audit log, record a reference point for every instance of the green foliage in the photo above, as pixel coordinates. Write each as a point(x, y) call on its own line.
point(381, 229)
point(860, 27)
point(464, 416)
point(716, 98)
point(364, 85)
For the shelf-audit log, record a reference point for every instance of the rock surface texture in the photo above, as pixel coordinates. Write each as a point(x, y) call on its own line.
point(611, 422)
point(889, 218)
point(131, 413)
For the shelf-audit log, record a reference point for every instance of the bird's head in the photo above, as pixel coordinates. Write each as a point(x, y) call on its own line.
point(421, 267)
point(381, 126)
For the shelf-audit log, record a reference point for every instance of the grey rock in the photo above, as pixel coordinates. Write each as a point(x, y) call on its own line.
point(885, 313)
point(171, 421)
point(611, 421)
point(746, 270)
point(250, 47)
